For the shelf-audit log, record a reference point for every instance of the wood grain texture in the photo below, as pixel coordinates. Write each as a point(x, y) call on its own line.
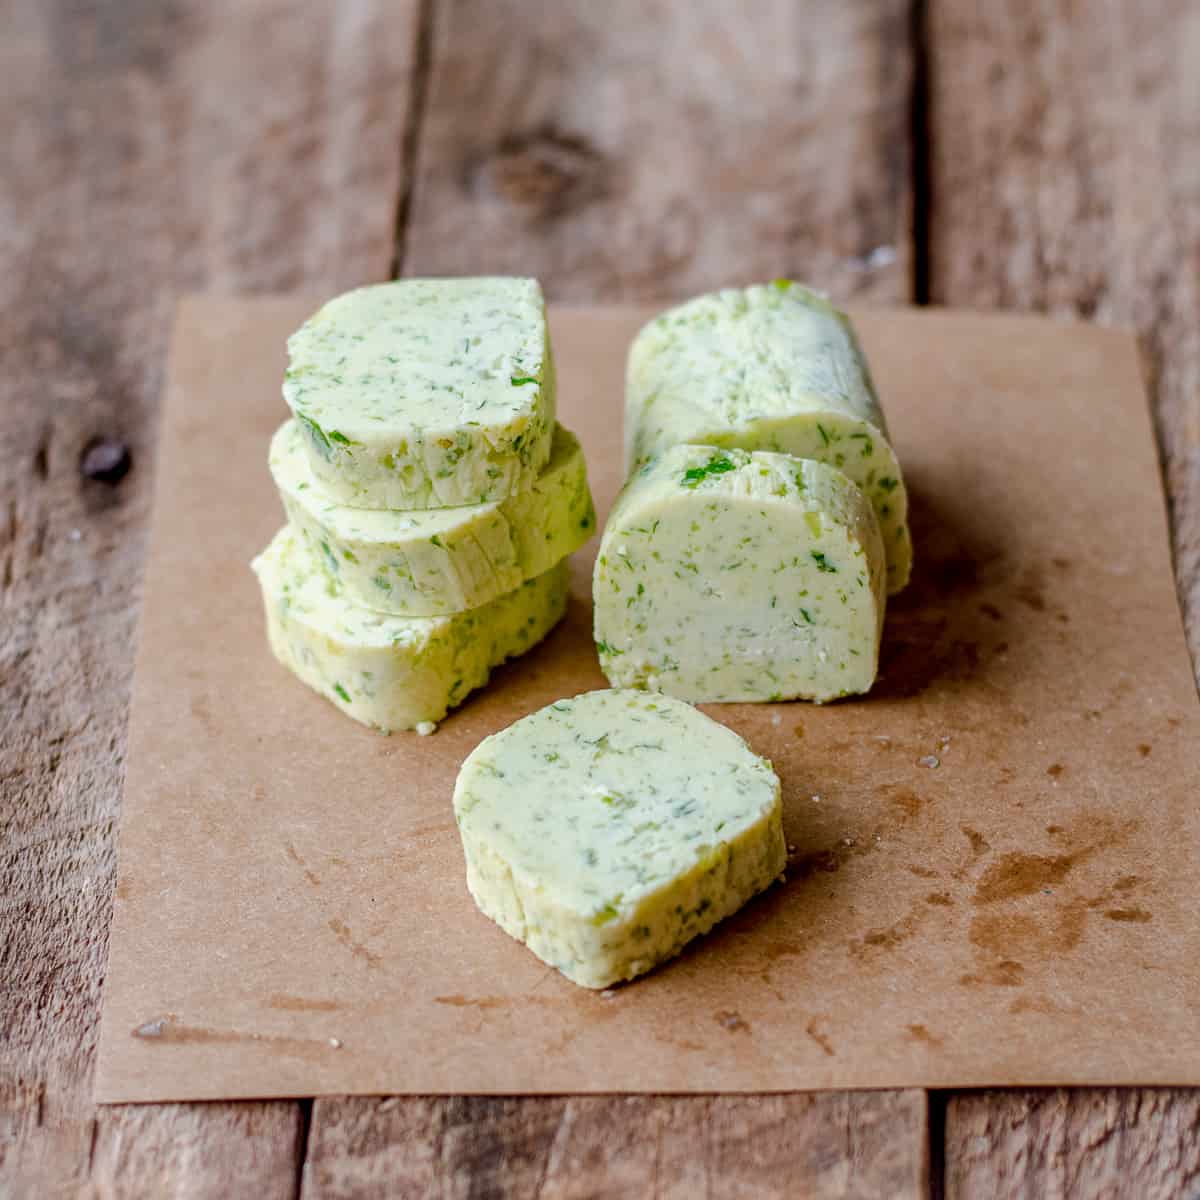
point(634, 150)
point(848, 1145)
point(1057, 1144)
point(149, 147)
point(554, 143)
point(621, 151)
point(1064, 179)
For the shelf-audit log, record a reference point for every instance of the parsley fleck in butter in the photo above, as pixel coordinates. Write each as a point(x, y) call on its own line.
point(772, 367)
point(729, 576)
point(425, 393)
point(437, 561)
point(393, 672)
point(609, 830)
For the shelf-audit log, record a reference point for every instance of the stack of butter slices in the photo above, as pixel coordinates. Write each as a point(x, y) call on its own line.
point(432, 500)
point(764, 519)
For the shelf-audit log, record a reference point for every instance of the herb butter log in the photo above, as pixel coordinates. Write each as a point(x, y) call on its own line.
point(438, 561)
point(608, 831)
point(729, 576)
point(425, 393)
point(773, 367)
point(394, 672)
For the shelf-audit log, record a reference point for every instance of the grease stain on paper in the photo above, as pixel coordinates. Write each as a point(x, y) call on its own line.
point(313, 878)
point(1007, 973)
point(1138, 916)
point(342, 932)
point(919, 1033)
point(813, 1029)
point(288, 1003)
point(732, 1021)
point(169, 1029)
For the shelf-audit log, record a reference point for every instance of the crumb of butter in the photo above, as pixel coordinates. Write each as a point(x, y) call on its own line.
point(425, 728)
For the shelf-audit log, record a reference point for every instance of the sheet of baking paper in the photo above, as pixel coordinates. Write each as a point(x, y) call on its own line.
point(995, 857)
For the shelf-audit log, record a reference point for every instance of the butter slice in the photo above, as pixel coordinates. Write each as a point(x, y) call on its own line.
point(772, 367)
point(393, 672)
point(438, 561)
point(425, 393)
point(728, 576)
point(607, 831)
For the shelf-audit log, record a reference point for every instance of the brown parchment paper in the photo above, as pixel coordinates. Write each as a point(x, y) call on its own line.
point(291, 914)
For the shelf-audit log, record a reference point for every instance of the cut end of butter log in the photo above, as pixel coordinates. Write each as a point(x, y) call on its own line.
point(425, 393)
point(434, 562)
point(607, 831)
point(728, 576)
point(772, 367)
point(393, 672)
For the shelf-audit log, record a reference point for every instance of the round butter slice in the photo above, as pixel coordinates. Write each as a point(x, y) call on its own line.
point(607, 831)
point(728, 576)
point(438, 561)
point(394, 672)
point(425, 393)
point(772, 367)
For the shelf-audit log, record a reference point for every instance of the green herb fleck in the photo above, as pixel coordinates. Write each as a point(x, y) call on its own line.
point(520, 380)
point(340, 438)
point(823, 564)
point(316, 435)
point(888, 484)
point(824, 436)
point(606, 914)
point(717, 466)
point(618, 802)
point(341, 691)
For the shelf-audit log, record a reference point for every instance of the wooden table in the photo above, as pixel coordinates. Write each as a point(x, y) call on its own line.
point(1024, 154)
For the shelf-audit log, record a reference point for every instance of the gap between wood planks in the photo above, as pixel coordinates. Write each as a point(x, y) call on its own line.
point(306, 1118)
point(921, 159)
point(410, 143)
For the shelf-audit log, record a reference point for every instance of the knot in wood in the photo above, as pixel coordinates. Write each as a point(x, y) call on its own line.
point(106, 460)
point(547, 174)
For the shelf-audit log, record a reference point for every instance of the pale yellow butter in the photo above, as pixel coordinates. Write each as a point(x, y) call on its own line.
point(609, 830)
point(438, 561)
point(394, 672)
point(728, 576)
point(772, 367)
point(425, 393)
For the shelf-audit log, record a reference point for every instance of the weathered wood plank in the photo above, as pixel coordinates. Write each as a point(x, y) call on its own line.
point(1064, 179)
point(1067, 1143)
point(1064, 172)
point(635, 150)
point(652, 150)
point(846, 1144)
point(217, 1150)
point(148, 147)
